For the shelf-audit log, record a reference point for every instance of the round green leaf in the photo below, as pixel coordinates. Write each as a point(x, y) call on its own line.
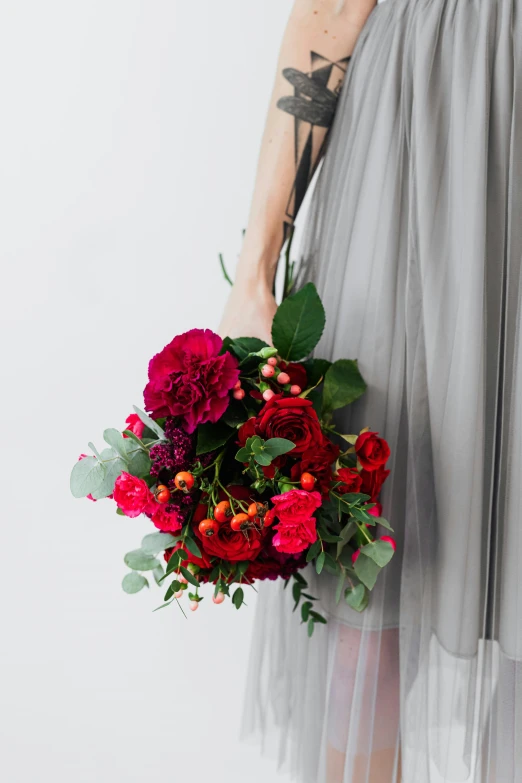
point(153, 543)
point(133, 582)
point(140, 560)
point(86, 476)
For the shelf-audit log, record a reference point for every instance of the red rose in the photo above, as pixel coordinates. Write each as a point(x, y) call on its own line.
point(191, 379)
point(272, 564)
point(292, 418)
point(247, 430)
point(134, 424)
point(317, 461)
point(132, 495)
point(372, 451)
point(228, 544)
point(351, 479)
point(296, 372)
point(376, 511)
point(372, 481)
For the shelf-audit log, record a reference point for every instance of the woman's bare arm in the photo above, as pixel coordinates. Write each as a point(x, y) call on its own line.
point(318, 41)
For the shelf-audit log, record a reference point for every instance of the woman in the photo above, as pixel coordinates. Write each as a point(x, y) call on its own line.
point(413, 237)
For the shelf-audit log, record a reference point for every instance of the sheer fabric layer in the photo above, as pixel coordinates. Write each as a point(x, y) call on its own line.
point(414, 239)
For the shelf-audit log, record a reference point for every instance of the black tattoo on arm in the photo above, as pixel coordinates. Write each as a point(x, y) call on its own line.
point(313, 107)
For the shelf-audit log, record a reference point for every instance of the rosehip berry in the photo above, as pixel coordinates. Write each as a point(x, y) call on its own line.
point(253, 510)
point(237, 385)
point(240, 522)
point(295, 390)
point(390, 540)
point(267, 371)
point(162, 493)
point(219, 598)
point(269, 517)
point(355, 555)
point(194, 605)
point(207, 527)
point(307, 481)
point(222, 511)
point(184, 481)
point(283, 378)
point(268, 394)
point(272, 361)
point(179, 594)
point(238, 394)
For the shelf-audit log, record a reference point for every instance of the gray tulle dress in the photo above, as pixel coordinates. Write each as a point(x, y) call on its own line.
point(414, 238)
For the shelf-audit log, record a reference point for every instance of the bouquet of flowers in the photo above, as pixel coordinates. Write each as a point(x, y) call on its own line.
point(240, 470)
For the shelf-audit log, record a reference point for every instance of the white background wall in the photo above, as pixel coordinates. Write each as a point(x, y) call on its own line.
point(128, 143)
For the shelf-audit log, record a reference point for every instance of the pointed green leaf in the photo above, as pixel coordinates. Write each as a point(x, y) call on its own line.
point(343, 384)
point(237, 598)
point(189, 576)
point(319, 563)
point(277, 446)
point(298, 324)
point(192, 547)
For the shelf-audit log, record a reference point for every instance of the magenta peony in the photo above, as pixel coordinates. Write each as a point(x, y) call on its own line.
point(189, 378)
point(132, 495)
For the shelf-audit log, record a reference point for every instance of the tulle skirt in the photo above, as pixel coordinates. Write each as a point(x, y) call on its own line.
point(414, 239)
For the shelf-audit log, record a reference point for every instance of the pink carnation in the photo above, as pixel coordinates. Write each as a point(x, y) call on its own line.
point(134, 424)
point(295, 538)
point(296, 529)
point(296, 505)
point(167, 521)
point(132, 495)
point(189, 378)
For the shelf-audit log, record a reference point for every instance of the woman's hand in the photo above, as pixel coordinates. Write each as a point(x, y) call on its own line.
point(249, 312)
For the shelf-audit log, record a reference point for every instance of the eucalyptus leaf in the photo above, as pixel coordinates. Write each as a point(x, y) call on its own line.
point(278, 446)
point(305, 610)
point(298, 324)
point(243, 455)
point(367, 570)
point(150, 423)
point(384, 523)
point(140, 560)
point(139, 464)
point(134, 582)
point(319, 563)
point(86, 476)
point(313, 551)
point(381, 552)
point(114, 467)
point(357, 597)
point(263, 459)
point(158, 574)
point(116, 441)
point(154, 543)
